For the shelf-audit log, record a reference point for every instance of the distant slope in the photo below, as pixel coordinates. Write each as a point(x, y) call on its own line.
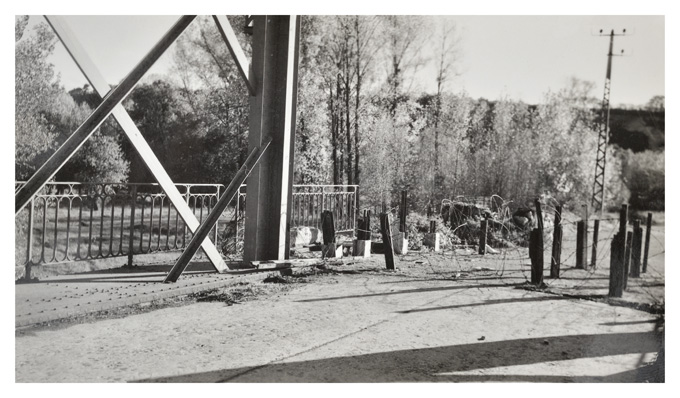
point(637, 130)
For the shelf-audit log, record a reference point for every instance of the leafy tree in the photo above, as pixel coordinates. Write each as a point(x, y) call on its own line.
point(35, 88)
point(657, 104)
point(644, 176)
point(214, 98)
point(312, 160)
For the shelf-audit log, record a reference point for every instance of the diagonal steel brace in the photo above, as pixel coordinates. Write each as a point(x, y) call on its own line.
point(97, 117)
point(216, 211)
point(96, 79)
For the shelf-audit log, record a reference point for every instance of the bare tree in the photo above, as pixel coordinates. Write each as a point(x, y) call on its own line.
point(447, 45)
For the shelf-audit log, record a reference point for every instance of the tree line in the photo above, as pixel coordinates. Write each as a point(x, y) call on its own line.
point(361, 118)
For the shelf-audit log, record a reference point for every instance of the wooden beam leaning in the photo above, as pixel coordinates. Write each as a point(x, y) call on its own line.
point(214, 215)
point(97, 117)
point(97, 81)
point(237, 53)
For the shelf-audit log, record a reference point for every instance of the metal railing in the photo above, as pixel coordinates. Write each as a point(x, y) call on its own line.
point(308, 203)
point(71, 221)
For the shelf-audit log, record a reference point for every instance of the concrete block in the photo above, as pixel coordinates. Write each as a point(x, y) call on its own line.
point(432, 241)
point(332, 251)
point(400, 243)
point(362, 248)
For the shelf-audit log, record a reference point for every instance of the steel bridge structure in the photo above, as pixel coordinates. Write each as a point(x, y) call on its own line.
point(271, 78)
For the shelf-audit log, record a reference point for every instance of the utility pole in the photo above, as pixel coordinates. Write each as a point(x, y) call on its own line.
point(598, 199)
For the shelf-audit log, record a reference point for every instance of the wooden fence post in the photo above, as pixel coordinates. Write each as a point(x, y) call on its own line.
point(361, 226)
point(328, 230)
point(536, 248)
point(580, 245)
point(618, 249)
point(596, 229)
point(482, 236)
point(636, 250)
point(387, 240)
point(368, 225)
point(647, 236)
point(403, 213)
point(626, 259)
point(616, 265)
point(133, 203)
point(557, 244)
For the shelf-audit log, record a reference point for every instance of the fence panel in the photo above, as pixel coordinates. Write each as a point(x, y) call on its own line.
point(72, 221)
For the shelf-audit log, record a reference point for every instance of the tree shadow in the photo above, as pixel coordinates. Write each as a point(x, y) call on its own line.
point(436, 363)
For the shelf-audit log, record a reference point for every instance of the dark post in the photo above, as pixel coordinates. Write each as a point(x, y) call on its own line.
point(580, 245)
point(133, 202)
point(368, 225)
point(596, 228)
point(626, 259)
point(387, 240)
point(616, 265)
point(433, 226)
point(361, 227)
point(536, 247)
point(539, 217)
point(482, 236)
point(536, 256)
point(328, 229)
point(647, 236)
point(585, 236)
point(636, 251)
point(557, 244)
point(618, 249)
point(403, 213)
point(623, 219)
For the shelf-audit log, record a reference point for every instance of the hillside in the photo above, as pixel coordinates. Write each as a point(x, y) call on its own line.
point(637, 130)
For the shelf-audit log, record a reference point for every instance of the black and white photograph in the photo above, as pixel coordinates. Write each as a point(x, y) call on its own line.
point(361, 195)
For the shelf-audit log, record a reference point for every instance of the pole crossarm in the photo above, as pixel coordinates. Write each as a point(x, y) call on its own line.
point(97, 117)
point(98, 82)
point(216, 212)
point(235, 49)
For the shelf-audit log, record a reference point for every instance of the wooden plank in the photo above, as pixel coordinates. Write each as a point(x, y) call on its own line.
point(237, 53)
point(214, 215)
point(97, 117)
point(98, 82)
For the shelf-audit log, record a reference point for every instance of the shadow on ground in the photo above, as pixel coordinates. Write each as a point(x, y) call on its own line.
point(437, 363)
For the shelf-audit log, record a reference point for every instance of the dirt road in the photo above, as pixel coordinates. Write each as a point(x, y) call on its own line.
point(360, 324)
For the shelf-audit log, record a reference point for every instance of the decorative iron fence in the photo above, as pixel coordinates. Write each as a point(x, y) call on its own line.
point(72, 221)
point(308, 203)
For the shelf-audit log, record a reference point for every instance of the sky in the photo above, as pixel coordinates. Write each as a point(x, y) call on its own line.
point(515, 57)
